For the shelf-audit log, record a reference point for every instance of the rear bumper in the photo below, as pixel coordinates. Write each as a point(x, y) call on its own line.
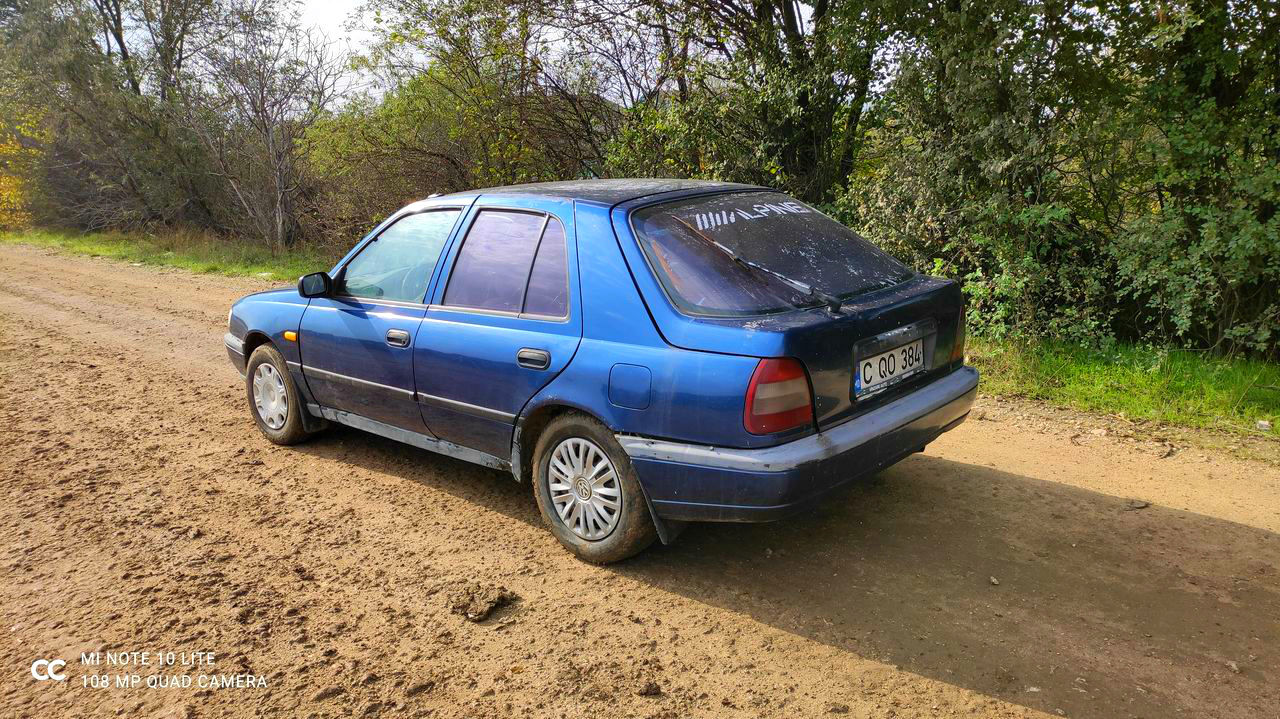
point(691, 482)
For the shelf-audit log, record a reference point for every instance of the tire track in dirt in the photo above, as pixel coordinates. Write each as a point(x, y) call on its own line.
point(143, 511)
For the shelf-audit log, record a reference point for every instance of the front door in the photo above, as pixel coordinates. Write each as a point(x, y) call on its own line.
point(357, 345)
point(502, 325)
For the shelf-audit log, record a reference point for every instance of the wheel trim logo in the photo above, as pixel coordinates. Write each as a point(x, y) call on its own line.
point(582, 488)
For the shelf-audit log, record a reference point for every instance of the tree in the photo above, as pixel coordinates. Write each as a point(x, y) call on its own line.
point(769, 92)
point(1203, 260)
point(250, 101)
point(114, 154)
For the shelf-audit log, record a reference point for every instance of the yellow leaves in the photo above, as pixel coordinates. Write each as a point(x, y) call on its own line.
point(15, 161)
point(13, 203)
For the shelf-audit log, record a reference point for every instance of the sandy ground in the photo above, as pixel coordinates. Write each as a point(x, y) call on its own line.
point(1025, 565)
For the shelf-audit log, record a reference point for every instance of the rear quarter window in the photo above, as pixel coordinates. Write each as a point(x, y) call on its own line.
point(548, 291)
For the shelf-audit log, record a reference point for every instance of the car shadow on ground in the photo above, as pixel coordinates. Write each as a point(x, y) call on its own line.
point(1030, 591)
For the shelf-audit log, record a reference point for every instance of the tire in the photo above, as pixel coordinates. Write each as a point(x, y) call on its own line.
point(290, 430)
point(608, 538)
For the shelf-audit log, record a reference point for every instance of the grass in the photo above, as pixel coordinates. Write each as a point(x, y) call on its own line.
point(194, 251)
point(1177, 387)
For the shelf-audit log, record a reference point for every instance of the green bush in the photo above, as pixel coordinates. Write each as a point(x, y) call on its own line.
point(1130, 194)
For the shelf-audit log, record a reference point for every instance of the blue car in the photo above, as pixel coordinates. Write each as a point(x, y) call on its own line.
point(646, 353)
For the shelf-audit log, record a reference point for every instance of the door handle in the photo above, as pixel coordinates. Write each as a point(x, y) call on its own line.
point(397, 338)
point(533, 359)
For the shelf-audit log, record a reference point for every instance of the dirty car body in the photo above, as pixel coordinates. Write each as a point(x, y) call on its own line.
point(746, 352)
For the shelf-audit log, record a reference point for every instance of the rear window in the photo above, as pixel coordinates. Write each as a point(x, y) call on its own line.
point(750, 253)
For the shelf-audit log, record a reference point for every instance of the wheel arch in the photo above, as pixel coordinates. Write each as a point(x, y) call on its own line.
point(253, 339)
point(529, 428)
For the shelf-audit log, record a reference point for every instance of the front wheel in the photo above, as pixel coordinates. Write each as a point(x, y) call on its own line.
point(274, 401)
point(588, 493)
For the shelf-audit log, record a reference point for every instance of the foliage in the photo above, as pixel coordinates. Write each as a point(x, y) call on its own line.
point(21, 131)
point(374, 157)
point(480, 94)
point(1088, 174)
point(760, 93)
point(201, 252)
point(1204, 262)
point(1137, 381)
point(252, 100)
point(175, 113)
point(1091, 171)
point(972, 168)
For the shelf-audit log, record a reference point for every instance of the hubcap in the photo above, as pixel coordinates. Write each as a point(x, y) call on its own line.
point(269, 396)
point(584, 488)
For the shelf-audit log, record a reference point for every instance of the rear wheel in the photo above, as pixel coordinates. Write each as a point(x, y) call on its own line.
point(588, 493)
point(274, 401)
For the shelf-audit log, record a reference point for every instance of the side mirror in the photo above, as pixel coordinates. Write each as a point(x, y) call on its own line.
point(316, 284)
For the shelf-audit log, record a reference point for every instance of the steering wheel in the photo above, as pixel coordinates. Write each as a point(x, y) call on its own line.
point(414, 284)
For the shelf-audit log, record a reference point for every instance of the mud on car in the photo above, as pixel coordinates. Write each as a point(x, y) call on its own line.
point(645, 353)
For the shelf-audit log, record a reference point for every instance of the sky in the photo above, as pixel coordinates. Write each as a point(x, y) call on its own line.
point(329, 16)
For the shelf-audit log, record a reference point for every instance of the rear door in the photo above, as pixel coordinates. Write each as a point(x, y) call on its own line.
point(503, 322)
point(357, 345)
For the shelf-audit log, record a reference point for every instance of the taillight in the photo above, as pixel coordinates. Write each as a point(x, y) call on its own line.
point(957, 348)
point(778, 397)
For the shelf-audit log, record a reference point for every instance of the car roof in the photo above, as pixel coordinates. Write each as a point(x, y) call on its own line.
point(605, 191)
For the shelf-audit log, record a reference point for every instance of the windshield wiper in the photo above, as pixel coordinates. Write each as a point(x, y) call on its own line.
point(831, 302)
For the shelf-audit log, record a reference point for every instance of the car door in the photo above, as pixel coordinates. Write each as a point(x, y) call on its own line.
point(502, 324)
point(357, 343)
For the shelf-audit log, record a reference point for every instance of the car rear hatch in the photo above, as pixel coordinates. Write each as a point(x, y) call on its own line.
point(913, 325)
point(760, 274)
point(832, 347)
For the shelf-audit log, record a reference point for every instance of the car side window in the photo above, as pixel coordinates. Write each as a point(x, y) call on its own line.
point(398, 264)
point(548, 291)
point(505, 253)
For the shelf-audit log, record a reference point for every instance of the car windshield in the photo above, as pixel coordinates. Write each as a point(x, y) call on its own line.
point(751, 253)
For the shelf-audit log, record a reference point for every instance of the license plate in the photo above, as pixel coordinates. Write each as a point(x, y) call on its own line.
point(879, 371)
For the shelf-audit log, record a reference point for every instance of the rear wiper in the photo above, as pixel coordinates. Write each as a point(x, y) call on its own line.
point(832, 302)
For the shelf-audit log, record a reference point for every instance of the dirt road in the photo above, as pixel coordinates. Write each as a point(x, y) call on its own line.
point(1021, 566)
